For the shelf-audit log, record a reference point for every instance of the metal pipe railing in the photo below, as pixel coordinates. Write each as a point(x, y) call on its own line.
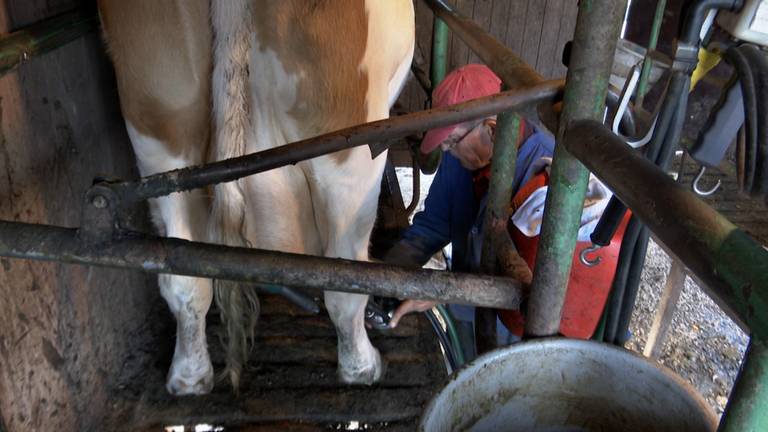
point(375, 134)
point(658, 18)
point(176, 256)
point(597, 32)
point(44, 36)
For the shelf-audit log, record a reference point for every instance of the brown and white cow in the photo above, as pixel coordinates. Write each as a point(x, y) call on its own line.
point(204, 80)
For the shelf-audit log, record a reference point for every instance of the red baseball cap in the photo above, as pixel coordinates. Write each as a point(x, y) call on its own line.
point(465, 83)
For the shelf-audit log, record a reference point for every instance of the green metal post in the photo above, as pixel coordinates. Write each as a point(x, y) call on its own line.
point(439, 52)
point(496, 216)
point(597, 31)
point(428, 163)
point(658, 18)
point(500, 188)
point(747, 409)
point(42, 37)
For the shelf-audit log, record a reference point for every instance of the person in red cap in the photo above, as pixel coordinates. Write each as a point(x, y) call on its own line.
point(455, 204)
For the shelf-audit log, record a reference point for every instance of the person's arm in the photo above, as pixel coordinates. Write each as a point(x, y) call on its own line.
point(431, 229)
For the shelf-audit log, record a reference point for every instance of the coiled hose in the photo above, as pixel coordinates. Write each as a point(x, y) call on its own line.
point(751, 69)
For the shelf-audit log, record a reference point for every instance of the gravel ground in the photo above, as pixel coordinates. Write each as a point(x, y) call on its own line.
point(703, 345)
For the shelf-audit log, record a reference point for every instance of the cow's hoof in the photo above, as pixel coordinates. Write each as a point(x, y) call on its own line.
point(365, 373)
point(192, 381)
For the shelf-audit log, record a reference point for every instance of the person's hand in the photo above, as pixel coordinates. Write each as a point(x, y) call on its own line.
point(409, 306)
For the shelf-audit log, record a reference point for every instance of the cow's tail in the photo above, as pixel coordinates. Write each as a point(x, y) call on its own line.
point(237, 303)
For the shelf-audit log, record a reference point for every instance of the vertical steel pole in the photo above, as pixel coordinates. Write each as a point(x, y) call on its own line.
point(496, 216)
point(658, 18)
point(439, 52)
point(500, 188)
point(597, 31)
point(438, 69)
point(747, 409)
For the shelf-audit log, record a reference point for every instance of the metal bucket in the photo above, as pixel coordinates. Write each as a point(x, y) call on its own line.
point(566, 385)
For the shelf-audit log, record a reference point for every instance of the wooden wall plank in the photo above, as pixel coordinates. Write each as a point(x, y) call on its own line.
point(566, 29)
point(553, 13)
point(481, 14)
point(534, 19)
point(459, 52)
point(516, 25)
point(500, 20)
point(71, 336)
point(536, 30)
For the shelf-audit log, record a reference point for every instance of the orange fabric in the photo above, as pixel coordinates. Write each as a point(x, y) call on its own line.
point(588, 287)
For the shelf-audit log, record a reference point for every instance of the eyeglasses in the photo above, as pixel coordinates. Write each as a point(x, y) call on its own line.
point(464, 130)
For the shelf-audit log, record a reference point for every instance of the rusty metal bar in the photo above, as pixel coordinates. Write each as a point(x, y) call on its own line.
point(508, 66)
point(176, 256)
point(369, 133)
point(723, 257)
point(597, 32)
point(44, 36)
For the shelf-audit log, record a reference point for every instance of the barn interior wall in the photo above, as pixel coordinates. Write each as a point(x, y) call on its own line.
point(535, 30)
point(68, 334)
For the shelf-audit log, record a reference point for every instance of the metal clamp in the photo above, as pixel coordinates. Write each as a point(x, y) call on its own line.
point(588, 250)
point(98, 222)
point(695, 184)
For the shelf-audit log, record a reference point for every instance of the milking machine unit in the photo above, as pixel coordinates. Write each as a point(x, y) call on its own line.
point(740, 33)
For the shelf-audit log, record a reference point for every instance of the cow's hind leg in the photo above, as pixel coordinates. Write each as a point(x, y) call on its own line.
point(345, 198)
point(180, 215)
point(359, 361)
point(189, 299)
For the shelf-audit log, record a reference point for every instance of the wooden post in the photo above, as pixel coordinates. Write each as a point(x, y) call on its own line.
point(666, 310)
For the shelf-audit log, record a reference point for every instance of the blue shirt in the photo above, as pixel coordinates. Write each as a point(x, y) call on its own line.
point(452, 213)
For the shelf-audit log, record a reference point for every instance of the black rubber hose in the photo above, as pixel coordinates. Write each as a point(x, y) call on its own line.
point(759, 68)
point(614, 213)
point(665, 139)
point(675, 133)
point(663, 160)
point(609, 222)
point(738, 60)
point(616, 297)
point(632, 286)
point(675, 91)
point(697, 13)
point(443, 338)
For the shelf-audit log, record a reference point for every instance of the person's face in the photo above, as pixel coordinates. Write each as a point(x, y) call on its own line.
point(471, 144)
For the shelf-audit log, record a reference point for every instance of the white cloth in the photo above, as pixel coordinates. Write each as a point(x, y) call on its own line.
point(529, 216)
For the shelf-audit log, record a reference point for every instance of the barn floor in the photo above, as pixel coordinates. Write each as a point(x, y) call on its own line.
point(290, 382)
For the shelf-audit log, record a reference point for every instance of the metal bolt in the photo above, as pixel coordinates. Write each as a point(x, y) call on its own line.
point(99, 202)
